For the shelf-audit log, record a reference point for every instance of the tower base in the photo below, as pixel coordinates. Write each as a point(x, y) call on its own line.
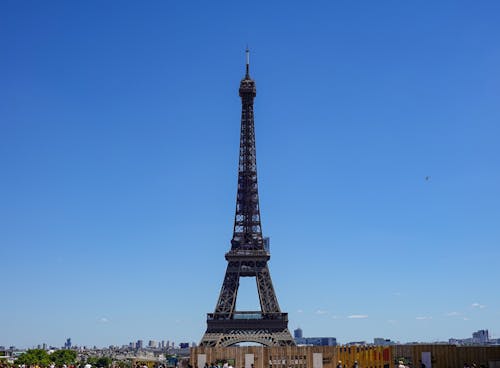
point(263, 336)
point(270, 329)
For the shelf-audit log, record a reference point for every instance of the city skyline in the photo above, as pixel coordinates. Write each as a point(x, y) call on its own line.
point(376, 129)
point(480, 337)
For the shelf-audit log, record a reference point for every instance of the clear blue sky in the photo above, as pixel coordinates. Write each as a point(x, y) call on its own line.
point(119, 128)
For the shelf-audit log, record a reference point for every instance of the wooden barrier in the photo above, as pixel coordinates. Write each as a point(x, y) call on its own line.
point(294, 356)
point(433, 356)
point(448, 356)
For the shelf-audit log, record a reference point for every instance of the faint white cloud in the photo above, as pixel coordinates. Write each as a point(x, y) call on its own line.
point(357, 316)
point(321, 312)
point(477, 305)
point(423, 318)
point(103, 320)
point(453, 314)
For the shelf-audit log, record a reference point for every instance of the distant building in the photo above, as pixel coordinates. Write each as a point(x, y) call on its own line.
point(321, 341)
point(481, 337)
point(297, 334)
point(316, 341)
point(380, 341)
point(267, 243)
point(356, 343)
point(313, 341)
point(67, 344)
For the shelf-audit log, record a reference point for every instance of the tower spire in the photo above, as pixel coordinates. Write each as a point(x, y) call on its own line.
point(247, 52)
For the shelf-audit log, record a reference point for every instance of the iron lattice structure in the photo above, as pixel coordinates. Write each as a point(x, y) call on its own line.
point(248, 256)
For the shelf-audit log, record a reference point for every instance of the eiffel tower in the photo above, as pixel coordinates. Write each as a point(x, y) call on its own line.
point(248, 255)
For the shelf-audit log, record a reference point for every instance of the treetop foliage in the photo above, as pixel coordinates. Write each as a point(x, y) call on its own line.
point(43, 359)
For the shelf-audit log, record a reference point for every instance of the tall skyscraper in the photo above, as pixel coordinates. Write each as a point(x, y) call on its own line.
point(67, 344)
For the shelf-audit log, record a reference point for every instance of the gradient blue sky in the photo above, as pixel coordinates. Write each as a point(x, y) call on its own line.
point(119, 128)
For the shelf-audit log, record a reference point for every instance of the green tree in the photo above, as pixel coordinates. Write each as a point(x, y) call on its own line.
point(34, 357)
point(61, 357)
point(100, 362)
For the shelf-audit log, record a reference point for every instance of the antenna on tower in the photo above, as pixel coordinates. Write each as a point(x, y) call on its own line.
point(247, 51)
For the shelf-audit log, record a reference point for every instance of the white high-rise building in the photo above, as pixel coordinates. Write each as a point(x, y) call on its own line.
point(480, 337)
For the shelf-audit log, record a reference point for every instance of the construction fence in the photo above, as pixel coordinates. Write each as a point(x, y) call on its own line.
point(412, 356)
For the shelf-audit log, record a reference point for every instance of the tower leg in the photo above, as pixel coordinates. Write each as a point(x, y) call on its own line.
point(267, 296)
point(229, 291)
